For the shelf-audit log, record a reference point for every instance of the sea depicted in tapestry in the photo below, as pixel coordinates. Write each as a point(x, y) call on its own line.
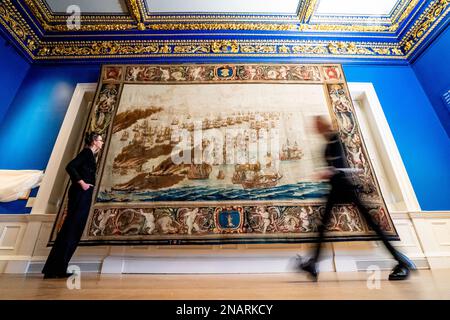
point(256, 143)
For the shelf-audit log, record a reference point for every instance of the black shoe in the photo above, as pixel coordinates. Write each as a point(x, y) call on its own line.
point(308, 266)
point(57, 275)
point(400, 272)
point(404, 260)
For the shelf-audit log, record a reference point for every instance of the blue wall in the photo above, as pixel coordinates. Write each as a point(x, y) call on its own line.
point(32, 123)
point(432, 69)
point(14, 68)
point(422, 141)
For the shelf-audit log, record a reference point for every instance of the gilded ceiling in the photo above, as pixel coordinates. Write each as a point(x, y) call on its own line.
point(130, 29)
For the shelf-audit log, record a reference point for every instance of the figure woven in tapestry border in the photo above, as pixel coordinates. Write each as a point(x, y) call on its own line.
point(222, 153)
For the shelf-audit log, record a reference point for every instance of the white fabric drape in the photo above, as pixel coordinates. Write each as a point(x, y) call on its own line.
point(15, 183)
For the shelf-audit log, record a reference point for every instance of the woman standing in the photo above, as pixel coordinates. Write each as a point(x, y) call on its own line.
point(82, 171)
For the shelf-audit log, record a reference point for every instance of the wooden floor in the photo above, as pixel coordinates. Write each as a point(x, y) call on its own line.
point(423, 284)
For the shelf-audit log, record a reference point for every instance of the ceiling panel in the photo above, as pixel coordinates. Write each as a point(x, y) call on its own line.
point(89, 6)
point(355, 7)
point(223, 6)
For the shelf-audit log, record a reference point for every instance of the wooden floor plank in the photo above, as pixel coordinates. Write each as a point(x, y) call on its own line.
point(425, 284)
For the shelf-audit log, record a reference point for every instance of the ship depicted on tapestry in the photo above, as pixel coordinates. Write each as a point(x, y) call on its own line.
point(200, 154)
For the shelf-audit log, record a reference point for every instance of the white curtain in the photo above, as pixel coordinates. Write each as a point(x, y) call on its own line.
point(16, 183)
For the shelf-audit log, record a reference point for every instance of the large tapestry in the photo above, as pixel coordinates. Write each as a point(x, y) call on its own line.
point(215, 154)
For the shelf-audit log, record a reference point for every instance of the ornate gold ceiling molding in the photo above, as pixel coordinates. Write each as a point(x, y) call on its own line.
point(388, 19)
point(208, 48)
point(365, 24)
point(343, 28)
point(223, 26)
point(54, 23)
point(207, 22)
point(136, 13)
point(44, 16)
point(57, 22)
point(14, 23)
point(307, 8)
point(401, 13)
point(432, 15)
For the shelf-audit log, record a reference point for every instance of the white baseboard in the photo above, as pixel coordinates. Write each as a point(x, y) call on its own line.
point(35, 267)
point(206, 264)
point(223, 265)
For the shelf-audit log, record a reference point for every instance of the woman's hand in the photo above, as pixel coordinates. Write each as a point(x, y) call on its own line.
point(85, 186)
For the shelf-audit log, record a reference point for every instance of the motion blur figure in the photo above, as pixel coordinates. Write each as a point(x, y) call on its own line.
point(343, 191)
point(82, 171)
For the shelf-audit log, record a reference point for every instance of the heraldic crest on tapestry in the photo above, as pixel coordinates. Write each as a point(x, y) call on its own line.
point(217, 154)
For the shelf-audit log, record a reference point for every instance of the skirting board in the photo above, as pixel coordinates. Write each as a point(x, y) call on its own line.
point(220, 265)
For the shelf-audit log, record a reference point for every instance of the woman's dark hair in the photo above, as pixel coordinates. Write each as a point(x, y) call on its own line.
point(90, 137)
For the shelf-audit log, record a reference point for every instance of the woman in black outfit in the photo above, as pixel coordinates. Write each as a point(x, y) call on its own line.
point(82, 171)
point(343, 191)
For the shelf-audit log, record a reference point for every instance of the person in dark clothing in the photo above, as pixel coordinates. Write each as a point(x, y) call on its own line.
point(343, 191)
point(82, 170)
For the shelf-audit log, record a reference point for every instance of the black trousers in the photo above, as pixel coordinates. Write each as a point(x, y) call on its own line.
point(70, 234)
point(343, 191)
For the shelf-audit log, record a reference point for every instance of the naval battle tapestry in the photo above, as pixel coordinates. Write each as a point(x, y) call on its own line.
point(217, 154)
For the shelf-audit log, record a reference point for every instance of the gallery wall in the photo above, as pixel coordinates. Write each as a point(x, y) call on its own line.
point(14, 69)
point(33, 119)
point(432, 69)
point(418, 133)
point(32, 123)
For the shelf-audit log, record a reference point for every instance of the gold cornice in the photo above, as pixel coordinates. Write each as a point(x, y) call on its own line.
point(14, 23)
point(400, 9)
point(39, 10)
point(379, 24)
point(223, 26)
point(398, 18)
point(435, 12)
point(134, 9)
point(55, 18)
point(44, 18)
point(235, 48)
point(207, 22)
point(221, 17)
point(17, 26)
point(344, 28)
point(92, 27)
point(310, 6)
point(52, 22)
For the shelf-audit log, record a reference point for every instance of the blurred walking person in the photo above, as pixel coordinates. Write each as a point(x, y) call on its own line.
point(343, 191)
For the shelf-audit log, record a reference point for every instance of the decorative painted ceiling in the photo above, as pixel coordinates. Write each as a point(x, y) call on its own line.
point(338, 30)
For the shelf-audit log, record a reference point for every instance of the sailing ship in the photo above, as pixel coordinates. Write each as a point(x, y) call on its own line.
point(220, 175)
point(144, 124)
point(146, 130)
point(199, 171)
point(250, 176)
point(291, 151)
point(125, 136)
